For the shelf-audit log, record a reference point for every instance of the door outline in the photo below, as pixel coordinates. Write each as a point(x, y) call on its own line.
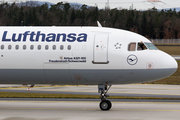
point(95, 47)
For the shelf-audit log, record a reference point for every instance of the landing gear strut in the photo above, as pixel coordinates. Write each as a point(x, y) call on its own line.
point(104, 104)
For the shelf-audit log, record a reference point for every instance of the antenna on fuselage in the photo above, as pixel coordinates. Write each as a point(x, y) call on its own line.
point(99, 24)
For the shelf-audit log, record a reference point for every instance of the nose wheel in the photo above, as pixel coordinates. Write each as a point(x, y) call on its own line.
point(104, 104)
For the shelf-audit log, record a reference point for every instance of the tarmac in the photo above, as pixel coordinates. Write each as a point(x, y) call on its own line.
point(88, 109)
point(131, 90)
point(177, 57)
point(34, 109)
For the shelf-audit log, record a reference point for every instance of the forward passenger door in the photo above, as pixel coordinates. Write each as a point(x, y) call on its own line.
point(101, 48)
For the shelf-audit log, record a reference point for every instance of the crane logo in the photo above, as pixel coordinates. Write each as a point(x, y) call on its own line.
point(132, 59)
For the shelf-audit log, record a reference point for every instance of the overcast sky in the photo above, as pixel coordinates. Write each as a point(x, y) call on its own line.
point(137, 4)
point(125, 4)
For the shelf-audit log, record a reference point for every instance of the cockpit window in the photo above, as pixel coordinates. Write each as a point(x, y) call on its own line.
point(151, 46)
point(132, 47)
point(141, 46)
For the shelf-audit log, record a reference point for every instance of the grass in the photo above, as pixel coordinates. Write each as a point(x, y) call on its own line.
point(167, 44)
point(172, 50)
point(172, 80)
point(44, 95)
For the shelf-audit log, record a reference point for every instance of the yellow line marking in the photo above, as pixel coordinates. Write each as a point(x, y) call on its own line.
point(145, 88)
point(55, 101)
point(91, 87)
point(147, 110)
point(108, 92)
point(47, 109)
point(92, 91)
point(115, 102)
point(96, 92)
point(56, 86)
point(146, 93)
point(159, 110)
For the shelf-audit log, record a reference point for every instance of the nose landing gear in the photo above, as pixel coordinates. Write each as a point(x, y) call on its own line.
point(104, 104)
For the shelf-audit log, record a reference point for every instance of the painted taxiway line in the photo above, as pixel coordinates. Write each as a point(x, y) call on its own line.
point(94, 93)
point(146, 93)
point(90, 109)
point(176, 57)
point(76, 92)
point(113, 102)
point(82, 87)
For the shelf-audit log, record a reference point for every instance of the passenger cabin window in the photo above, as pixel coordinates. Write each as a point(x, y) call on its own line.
point(54, 47)
point(132, 47)
point(69, 47)
point(39, 47)
point(9, 47)
point(17, 47)
point(141, 46)
point(24, 47)
point(2, 47)
point(46, 47)
point(61, 47)
point(32, 47)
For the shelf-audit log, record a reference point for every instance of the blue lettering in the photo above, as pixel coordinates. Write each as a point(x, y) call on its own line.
point(63, 39)
point(32, 36)
point(4, 37)
point(51, 37)
point(71, 37)
point(82, 37)
point(25, 35)
point(14, 37)
point(39, 36)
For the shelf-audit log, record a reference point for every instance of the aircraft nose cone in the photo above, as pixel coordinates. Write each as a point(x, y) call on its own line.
point(169, 65)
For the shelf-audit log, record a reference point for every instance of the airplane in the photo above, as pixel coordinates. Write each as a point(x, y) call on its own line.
point(80, 56)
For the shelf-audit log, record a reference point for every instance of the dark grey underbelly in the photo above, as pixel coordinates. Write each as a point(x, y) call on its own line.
point(77, 77)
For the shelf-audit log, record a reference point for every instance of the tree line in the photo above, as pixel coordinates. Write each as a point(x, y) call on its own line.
point(152, 23)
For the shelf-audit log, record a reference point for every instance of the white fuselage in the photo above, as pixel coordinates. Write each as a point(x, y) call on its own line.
point(78, 56)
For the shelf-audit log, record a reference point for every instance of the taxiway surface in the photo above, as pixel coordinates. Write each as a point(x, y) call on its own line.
point(177, 57)
point(47, 109)
point(88, 109)
point(133, 90)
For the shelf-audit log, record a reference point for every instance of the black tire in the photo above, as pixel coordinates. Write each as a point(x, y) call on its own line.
point(105, 105)
point(110, 105)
